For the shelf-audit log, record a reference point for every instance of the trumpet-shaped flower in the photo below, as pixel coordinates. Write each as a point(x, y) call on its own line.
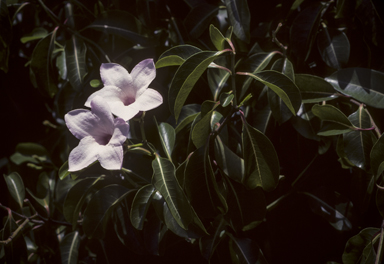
point(127, 93)
point(101, 136)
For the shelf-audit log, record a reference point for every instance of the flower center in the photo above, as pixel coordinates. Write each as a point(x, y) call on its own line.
point(103, 140)
point(129, 101)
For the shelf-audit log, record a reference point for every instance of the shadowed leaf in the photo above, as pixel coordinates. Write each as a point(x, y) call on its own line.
point(75, 51)
point(176, 55)
point(16, 187)
point(239, 17)
point(69, 248)
point(140, 205)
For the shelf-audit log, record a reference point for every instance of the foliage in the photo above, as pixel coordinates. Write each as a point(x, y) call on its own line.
point(267, 147)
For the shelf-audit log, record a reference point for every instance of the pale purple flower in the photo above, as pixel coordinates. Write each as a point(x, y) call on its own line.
point(101, 136)
point(127, 93)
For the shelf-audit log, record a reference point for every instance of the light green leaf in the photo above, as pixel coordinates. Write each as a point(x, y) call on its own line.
point(37, 33)
point(140, 205)
point(63, 171)
point(217, 38)
point(75, 51)
point(260, 160)
point(314, 89)
point(16, 187)
point(239, 18)
point(95, 83)
point(365, 85)
point(165, 182)
point(100, 208)
point(186, 77)
point(226, 99)
point(69, 248)
point(176, 55)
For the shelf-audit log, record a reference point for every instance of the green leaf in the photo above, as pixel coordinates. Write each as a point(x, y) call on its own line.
point(37, 33)
point(226, 99)
point(231, 164)
point(358, 144)
point(29, 152)
point(69, 248)
point(75, 51)
point(100, 208)
point(16, 250)
point(282, 86)
point(217, 80)
point(16, 187)
point(45, 190)
point(165, 182)
point(356, 245)
point(245, 250)
point(63, 171)
point(217, 38)
point(176, 56)
point(187, 115)
point(41, 66)
point(140, 205)
point(199, 19)
point(314, 89)
point(201, 130)
point(208, 244)
point(61, 65)
point(186, 77)
point(334, 47)
point(95, 83)
point(377, 157)
point(365, 85)
point(260, 160)
point(332, 114)
point(306, 123)
point(239, 18)
point(336, 209)
point(122, 24)
point(167, 138)
point(5, 36)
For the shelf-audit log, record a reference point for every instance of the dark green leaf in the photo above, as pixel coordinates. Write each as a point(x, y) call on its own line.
point(187, 115)
point(357, 244)
point(16, 187)
point(16, 249)
point(306, 123)
point(167, 137)
point(5, 36)
point(345, 8)
point(332, 114)
point(208, 244)
point(314, 89)
point(199, 18)
point(201, 130)
point(165, 182)
point(365, 85)
point(41, 66)
point(61, 65)
point(282, 86)
point(217, 80)
point(245, 250)
point(380, 201)
point(377, 157)
point(343, 159)
point(217, 38)
point(140, 205)
point(44, 190)
point(239, 17)
point(69, 248)
point(63, 171)
point(358, 144)
point(334, 47)
point(37, 33)
point(75, 51)
point(304, 29)
point(226, 99)
point(186, 77)
point(176, 56)
point(336, 209)
point(260, 160)
point(100, 208)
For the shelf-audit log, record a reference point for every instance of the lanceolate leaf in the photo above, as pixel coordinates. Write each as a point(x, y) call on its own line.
point(239, 17)
point(186, 77)
point(140, 205)
point(282, 86)
point(356, 245)
point(165, 182)
point(216, 37)
point(176, 56)
point(100, 208)
point(377, 156)
point(314, 89)
point(199, 18)
point(187, 115)
point(69, 248)
point(16, 187)
point(334, 47)
point(365, 85)
point(332, 114)
point(75, 51)
point(217, 80)
point(358, 144)
point(260, 160)
point(201, 130)
point(167, 137)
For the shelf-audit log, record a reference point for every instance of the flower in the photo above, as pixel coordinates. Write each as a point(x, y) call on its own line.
point(128, 94)
point(101, 136)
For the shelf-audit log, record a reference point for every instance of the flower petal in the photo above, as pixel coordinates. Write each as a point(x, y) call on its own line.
point(126, 112)
point(142, 75)
point(84, 154)
point(111, 157)
point(101, 109)
point(81, 122)
point(120, 133)
point(148, 100)
point(113, 74)
point(109, 93)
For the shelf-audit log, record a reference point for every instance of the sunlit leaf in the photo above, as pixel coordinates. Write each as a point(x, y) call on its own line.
point(100, 208)
point(176, 55)
point(140, 205)
point(314, 89)
point(165, 182)
point(356, 245)
point(217, 38)
point(16, 187)
point(334, 47)
point(75, 51)
point(199, 19)
point(239, 17)
point(69, 248)
point(186, 77)
point(260, 160)
point(365, 85)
